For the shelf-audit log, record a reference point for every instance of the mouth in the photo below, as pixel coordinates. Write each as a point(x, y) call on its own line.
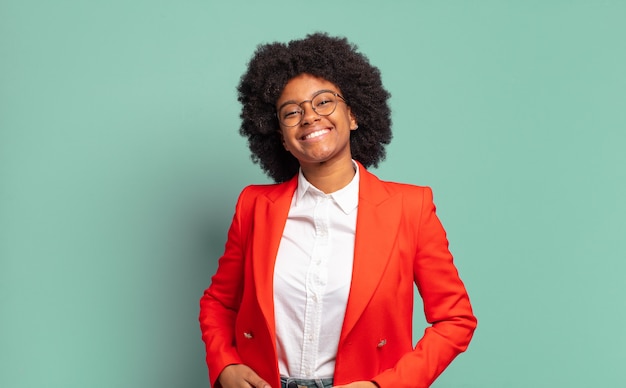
point(315, 134)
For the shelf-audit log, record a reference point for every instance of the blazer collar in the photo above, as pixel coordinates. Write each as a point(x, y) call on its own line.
point(269, 218)
point(377, 224)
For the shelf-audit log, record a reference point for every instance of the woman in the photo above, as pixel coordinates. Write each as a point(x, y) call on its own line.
point(315, 287)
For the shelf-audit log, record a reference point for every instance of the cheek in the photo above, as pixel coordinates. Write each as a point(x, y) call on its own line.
point(348, 118)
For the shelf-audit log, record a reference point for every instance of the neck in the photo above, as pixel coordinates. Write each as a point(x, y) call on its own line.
point(329, 177)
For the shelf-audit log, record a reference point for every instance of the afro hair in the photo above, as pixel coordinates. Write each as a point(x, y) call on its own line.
point(331, 58)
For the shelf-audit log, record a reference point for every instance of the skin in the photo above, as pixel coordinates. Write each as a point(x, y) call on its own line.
point(326, 162)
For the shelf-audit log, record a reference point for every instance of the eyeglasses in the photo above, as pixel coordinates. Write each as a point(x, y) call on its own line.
point(323, 103)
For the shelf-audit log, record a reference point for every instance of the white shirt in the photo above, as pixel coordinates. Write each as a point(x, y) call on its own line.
point(312, 278)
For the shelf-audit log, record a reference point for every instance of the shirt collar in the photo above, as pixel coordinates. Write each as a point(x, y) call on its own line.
point(347, 198)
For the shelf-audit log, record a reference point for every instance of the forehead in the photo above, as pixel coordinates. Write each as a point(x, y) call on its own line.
point(303, 86)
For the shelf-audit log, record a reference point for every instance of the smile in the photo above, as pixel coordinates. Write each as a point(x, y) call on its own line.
point(315, 134)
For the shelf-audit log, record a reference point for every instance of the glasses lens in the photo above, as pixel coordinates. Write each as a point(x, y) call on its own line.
point(324, 103)
point(290, 114)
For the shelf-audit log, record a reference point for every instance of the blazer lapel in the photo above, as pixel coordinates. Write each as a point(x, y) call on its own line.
point(270, 216)
point(376, 230)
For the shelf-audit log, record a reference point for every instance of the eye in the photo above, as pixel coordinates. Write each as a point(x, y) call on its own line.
point(290, 111)
point(323, 100)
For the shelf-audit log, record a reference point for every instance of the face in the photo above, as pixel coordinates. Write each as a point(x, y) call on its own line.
point(316, 139)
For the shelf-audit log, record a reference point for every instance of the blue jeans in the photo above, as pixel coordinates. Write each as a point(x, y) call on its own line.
point(304, 383)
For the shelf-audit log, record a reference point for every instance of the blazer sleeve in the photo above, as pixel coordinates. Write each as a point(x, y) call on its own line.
point(220, 302)
point(446, 307)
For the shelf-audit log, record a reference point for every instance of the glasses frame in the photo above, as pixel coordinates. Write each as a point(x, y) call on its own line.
point(312, 107)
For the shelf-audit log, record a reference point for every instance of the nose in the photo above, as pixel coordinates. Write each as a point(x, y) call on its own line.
point(309, 116)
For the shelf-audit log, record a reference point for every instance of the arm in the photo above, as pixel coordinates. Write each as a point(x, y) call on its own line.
point(446, 307)
point(220, 303)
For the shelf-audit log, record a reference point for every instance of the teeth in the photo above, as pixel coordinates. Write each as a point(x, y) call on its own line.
point(314, 134)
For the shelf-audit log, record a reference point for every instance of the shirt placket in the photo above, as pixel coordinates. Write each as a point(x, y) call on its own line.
point(316, 280)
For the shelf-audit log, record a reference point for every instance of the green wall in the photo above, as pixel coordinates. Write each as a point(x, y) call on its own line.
point(120, 164)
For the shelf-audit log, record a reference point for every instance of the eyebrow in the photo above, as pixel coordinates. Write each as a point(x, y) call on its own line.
point(312, 96)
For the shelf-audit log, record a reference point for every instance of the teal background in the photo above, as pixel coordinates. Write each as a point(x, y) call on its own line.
point(120, 163)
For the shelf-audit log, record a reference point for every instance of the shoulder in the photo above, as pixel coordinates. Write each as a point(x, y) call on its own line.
point(393, 188)
point(405, 187)
point(273, 192)
point(256, 190)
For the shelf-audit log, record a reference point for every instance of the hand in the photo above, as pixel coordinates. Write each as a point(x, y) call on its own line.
point(358, 384)
point(240, 376)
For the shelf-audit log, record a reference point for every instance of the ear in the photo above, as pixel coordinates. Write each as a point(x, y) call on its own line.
point(353, 123)
point(282, 139)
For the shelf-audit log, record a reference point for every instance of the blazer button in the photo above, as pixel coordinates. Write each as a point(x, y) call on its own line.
point(248, 335)
point(382, 343)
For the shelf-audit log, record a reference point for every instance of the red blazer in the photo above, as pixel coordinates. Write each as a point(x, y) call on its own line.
point(399, 241)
